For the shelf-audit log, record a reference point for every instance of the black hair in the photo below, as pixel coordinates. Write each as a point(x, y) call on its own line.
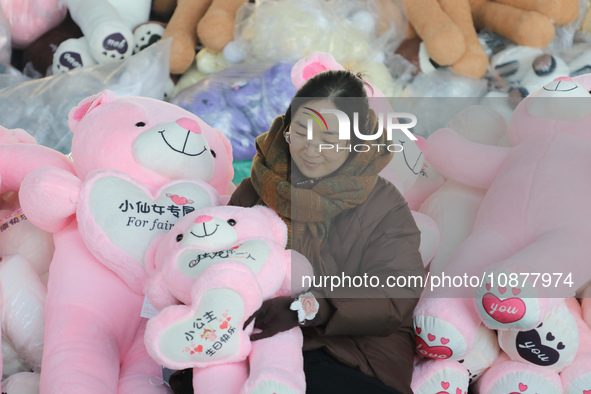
point(339, 87)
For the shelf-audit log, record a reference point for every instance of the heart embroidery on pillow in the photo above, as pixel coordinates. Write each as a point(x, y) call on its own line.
point(209, 333)
point(254, 254)
point(118, 216)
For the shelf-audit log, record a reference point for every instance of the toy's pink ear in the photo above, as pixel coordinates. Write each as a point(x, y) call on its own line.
point(311, 65)
point(584, 80)
point(277, 224)
point(226, 143)
point(15, 136)
point(87, 105)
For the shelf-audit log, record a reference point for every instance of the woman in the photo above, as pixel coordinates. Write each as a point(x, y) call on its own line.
point(346, 220)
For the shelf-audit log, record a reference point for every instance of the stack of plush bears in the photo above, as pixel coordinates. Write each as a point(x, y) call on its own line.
point(523, 223)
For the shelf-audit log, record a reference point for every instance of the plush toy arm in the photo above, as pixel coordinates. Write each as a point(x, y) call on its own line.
point(158, 294)
point(49, 197)
point(18, 160)
point(296, 274)
point(467, 162)
point(279, 371)
point(108, 34)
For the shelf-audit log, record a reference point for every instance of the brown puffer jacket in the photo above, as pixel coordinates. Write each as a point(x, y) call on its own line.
point(378, 237)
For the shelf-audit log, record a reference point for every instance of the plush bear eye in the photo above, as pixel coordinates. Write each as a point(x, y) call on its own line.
point(140, 124)
point(179, 237)
point(212, 153)
point(231, 222)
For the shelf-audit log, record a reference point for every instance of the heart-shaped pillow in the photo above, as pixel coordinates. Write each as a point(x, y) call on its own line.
point(118, 217)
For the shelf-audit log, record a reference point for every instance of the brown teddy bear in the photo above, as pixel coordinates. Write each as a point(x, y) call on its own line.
point(210, 20)
point(448, 33)
point(526, 22)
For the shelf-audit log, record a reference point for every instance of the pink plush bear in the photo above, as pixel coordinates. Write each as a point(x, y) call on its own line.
point(25, 254)
point(29, 19)
point(534, 218)
point(140, 165)
point(222, 262)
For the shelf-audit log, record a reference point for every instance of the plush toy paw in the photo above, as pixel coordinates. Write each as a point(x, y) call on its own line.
point(507, 307)
point(111, 42)
point(208, 332)
point(72, 53)
point(552, 344)
point(147, 34)
point(439, 339)
point(267, 382)
point(518, 378)
point(439, 376)
point(576, 378)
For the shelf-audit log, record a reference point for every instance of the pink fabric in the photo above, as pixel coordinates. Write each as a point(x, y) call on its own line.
point(535, 217)
point(29, 19)
point(211, 232)
point(94, 332)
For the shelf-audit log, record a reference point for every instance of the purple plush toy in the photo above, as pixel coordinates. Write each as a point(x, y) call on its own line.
point(241, 101)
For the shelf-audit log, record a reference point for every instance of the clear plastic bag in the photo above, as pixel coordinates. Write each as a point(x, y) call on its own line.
point(241, 101)
point(41, 106)
point(5, 47)
point(350, 30)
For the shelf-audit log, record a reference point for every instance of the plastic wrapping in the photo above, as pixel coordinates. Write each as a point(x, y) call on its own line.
point(5, 47)
point(29, 19)
point(41, 106)
point(350, 30)
point(241, 101)
point(22, 315)
point(565, 35)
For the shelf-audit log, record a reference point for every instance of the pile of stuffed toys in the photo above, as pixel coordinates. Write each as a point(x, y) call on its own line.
point(138, 204)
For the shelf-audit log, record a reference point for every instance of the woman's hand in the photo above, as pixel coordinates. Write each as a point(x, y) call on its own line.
point(273, 316)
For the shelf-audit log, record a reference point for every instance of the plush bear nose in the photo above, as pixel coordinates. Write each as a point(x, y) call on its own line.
point(203, 219)
point(189, 124)
point(563, 79)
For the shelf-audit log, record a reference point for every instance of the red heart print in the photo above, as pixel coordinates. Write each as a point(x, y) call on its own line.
point(488, 286)
point(522, 387)
point(199, 349)
point(506, 311)
point(586, 391)
point(224, 325)
point(431, 337)
point(418, 330)
point(515, 291)
point(502, 289)
point(445, 341)
point(229, 318)
point(437, 352)
point(458, 391)
point(179, 200)
point(445, 385)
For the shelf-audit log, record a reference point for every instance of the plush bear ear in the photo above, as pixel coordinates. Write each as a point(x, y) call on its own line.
point(15, 136)
point(311, 65)
point(277, 224)
point(87, 105)
point(584, 80)
point(225, 142)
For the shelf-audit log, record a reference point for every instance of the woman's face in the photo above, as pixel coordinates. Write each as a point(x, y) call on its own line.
point(324, 154)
